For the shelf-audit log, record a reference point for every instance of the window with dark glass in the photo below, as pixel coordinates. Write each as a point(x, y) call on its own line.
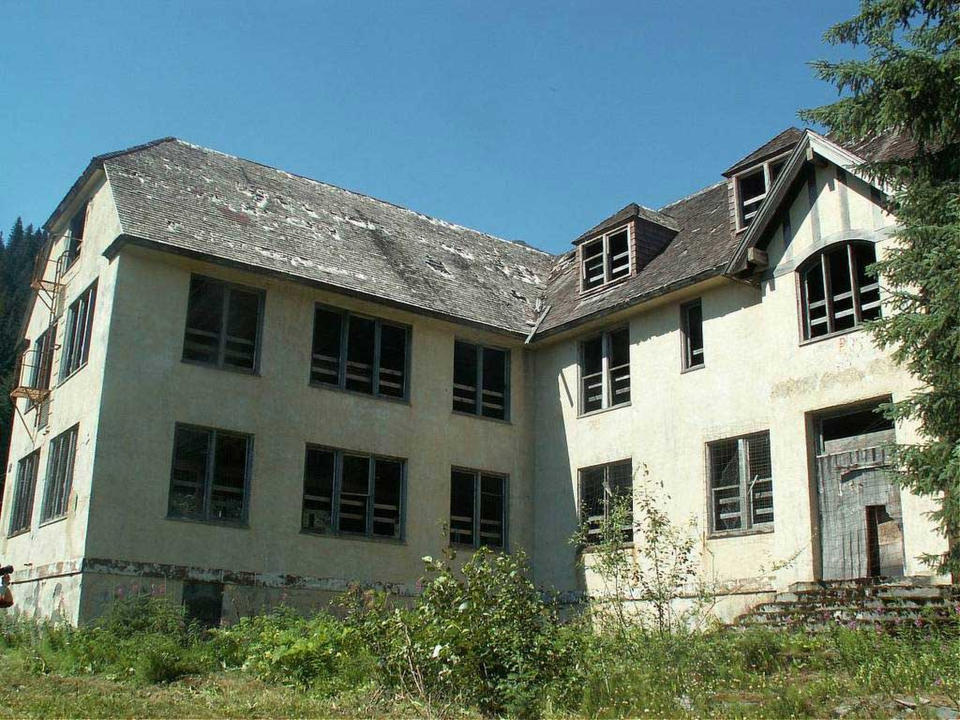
point(210, 476)
point(352, 493)
point(41, 365)
point(477, 508)
point(59, 479)
point(79, 329)
point(481, 380)
point(357, 353)
point(741, 483)
point(692, 315)
point(223, 324)
point(605, 371)
point(23, 492)
point(600, 487)
point(836, 291)
point(74, 239)
point(605, 259)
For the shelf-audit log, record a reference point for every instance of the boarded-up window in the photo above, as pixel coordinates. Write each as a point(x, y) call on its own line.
point(210, 475)
point(605, 370)
point(741, 483)
point(837, 292)
point(352, 352)
point(351, 493)
point(692, 329)
point(477, 508)
point(59, 479)
point(223, 324)
point(600, 486)
point(76, 345)
point(605, 259)
point(23, 492)
point(481, 380)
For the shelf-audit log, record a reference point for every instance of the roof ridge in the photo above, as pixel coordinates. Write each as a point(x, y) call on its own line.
point(430, 218)
point(692, 195)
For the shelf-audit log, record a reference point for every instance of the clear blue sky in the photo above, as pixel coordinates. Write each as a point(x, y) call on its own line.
point(528, 120)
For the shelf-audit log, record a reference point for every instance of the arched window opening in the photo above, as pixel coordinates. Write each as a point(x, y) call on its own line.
point(837, 293)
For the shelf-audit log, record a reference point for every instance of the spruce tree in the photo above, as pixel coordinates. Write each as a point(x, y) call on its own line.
point(908, 84)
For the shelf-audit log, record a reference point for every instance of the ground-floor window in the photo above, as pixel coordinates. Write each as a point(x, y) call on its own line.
point(211, 474)
point(600, 487)
point(478, 508)
point(741, 483)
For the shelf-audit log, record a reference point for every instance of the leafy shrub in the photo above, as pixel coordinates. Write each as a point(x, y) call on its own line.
point(319, 652)
point(482, 637)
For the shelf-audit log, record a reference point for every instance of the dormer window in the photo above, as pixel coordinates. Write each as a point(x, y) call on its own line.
point(605, 259)
point(752, 187)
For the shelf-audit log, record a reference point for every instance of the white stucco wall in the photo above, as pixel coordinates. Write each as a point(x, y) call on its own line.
point(758, 376)
point(53, 550)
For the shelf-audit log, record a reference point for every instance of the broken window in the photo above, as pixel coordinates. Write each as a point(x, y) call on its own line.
point(203, 602)
point(223, 324)
point(837, 293)
point(59, 480)
point(752, 187)
point(357, 353)
point(41, 370)
point(741, 483)
point(23, 492)
point(351, 493)
point(605, 259)
point(76, 345)
point(74, 239)
point(210, 475)
point(600, 487)
point(605, 371)
point(477, 508)
point(481, 380)
point(692, 330)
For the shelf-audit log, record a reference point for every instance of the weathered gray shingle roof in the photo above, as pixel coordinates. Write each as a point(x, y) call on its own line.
point(703, 246)
point(200, 201)
point(786, 140)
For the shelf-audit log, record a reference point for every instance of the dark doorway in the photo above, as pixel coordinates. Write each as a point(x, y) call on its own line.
point(203, 602)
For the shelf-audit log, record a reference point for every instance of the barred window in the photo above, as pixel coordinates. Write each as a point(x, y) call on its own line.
point(605, 258)
point(741, 483)
point(76, 345)
point(210, 475)
point(836, 291)
point(357, 353)
point(353, 493)
point(605, 370)
point(23, 492)
point(223, 324)
point(477, 508)
point(600, 487)
point(481, 383)
point(59, 480)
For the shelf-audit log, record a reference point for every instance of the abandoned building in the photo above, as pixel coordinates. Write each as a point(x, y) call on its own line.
point(240, 387)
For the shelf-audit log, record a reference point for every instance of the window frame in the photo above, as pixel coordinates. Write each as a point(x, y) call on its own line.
point(607, 494)
point(41, 374)
point(687, 353)
point(745, 496)
point(345, 317)
point(72, 358)
point(24, 496)
point(59, 475)
point(228, 288)
point(604, 238)
point(478, 388)
point(821, 258)
point(605, 372)
point(766, 167)
point(335, 495)
point(209, 470)
point(478, 476)
point(73, 243)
